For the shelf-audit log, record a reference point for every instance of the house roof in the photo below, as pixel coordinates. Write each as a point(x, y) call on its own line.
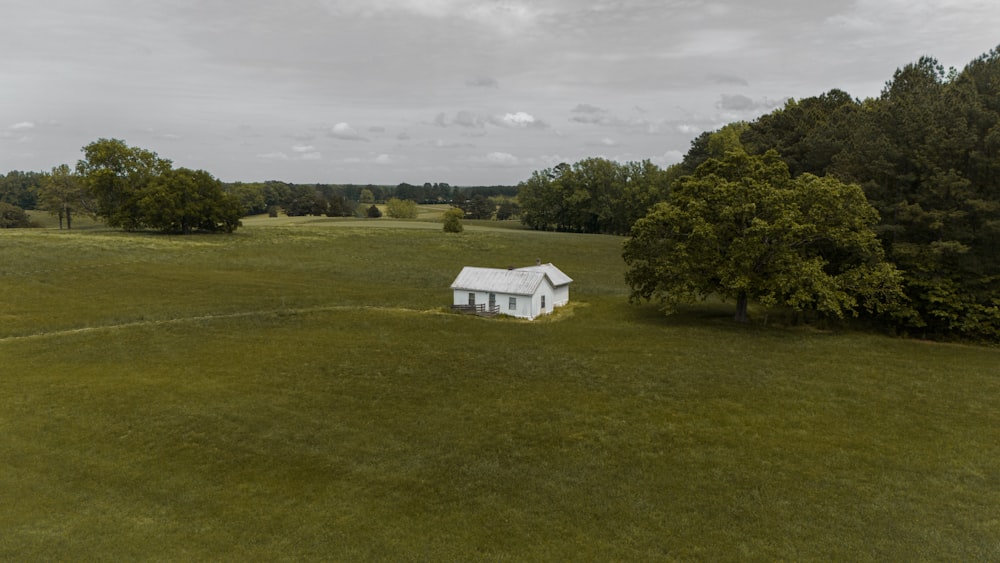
point(522, 281)
point(556, 276)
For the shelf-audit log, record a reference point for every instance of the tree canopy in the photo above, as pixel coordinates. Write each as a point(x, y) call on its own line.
point(742, 228)
point(927, 154)
point(135, 189)
point(595, 195)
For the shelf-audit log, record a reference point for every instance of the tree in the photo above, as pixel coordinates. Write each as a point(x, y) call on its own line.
point(116, 175)
point(453, 220)
point(743, 229)
point(366, 196)
point(20, 189)
point(182, 201)
point(401, 208)
point(374, 212)
point(63, 194)
point(594, 195)
point(135, 189)
point(13, 217)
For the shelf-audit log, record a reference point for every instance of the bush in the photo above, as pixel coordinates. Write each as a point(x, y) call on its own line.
point(401, 208)
point(374, 212)
point(453, 220)
point(13, 217)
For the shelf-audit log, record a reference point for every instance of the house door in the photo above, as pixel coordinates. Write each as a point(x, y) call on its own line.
point(472, 299)
point(493, 301)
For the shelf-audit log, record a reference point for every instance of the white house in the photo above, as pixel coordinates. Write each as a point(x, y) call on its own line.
point(522, 292)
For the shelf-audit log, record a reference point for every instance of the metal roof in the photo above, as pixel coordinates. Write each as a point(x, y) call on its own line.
point(522, 281)
point(556, 276)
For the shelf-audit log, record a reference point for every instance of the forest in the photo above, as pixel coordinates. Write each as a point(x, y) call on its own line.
point(925, 152)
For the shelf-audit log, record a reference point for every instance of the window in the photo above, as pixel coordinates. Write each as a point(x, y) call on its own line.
point(543, 302)
point(512, 304)
point(472, 299)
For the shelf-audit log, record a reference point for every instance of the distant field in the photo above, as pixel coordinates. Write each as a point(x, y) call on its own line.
point(300, 390)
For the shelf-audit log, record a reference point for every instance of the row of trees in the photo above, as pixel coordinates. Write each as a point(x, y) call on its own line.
point(595, 195)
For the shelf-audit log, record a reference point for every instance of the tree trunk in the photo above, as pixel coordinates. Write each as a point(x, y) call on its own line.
point(69, 220)
point(741, 309)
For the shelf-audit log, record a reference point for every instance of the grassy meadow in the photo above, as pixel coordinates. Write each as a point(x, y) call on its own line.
point(299, 390)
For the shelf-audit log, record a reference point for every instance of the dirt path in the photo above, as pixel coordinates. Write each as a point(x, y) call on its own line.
point(182, 320)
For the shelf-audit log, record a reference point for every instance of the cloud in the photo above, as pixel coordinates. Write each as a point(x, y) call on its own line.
point(588, 109)
point(604, 143)
point(668, 158)
point(22, 126)
point(519, 120)
point(506, 16)
point(741, 103)
point(503, 159)
point(482, 82)
point(728, 80)
point(274, 156)
point(469, 119)
point(299, 152)
point(443, 144)
point(376, 129)
point(383, 160)
point(345, 132)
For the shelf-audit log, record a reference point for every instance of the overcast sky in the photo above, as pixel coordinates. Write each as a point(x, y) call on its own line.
point(467, 92)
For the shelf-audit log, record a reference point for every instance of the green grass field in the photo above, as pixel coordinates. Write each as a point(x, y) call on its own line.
point(300, 391)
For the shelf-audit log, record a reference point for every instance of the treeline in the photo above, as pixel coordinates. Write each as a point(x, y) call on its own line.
point(595, 195)
point(344, 200)
point(926, 153)
point(67, 191)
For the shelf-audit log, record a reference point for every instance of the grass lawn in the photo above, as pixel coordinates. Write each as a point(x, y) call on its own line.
point(299, 390)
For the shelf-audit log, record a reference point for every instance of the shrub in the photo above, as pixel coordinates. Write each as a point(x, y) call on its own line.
point(401, 208)
point(453, 220)
point(13, 217)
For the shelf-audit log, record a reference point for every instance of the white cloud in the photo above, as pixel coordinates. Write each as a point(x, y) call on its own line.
point(519, 119)
point(345, 132)
point(445, 144)
point(22, 126)
point(383, 160)
point(502, 159)
point(303, 148)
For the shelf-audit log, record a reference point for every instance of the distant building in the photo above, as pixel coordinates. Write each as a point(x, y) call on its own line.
point(522, 292)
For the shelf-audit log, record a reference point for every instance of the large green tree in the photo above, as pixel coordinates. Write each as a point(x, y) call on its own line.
point(742, 228)
point(182, 201)
point(63, 194)
point(117, 175)
point(135, 189)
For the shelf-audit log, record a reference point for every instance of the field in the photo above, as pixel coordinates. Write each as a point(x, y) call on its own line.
point(300, 391)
